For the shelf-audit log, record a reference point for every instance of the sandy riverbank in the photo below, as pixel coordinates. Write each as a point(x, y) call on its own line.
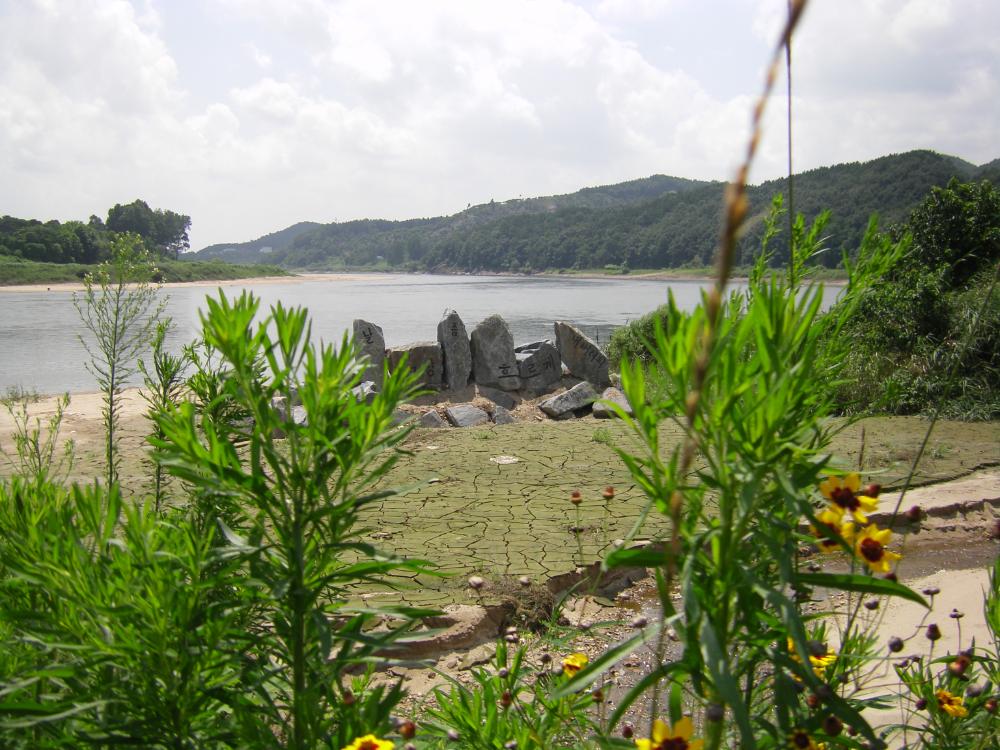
point(293, 279)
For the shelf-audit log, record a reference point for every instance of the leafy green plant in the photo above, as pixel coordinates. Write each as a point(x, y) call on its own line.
point(39, 454)
point(119, 309)
point(164, 387)
point(293, 504)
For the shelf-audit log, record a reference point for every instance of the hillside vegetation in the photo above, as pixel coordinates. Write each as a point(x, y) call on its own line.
point(659, 222)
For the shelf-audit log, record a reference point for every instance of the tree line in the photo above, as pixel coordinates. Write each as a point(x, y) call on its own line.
point(164, 234)
point(644, 224)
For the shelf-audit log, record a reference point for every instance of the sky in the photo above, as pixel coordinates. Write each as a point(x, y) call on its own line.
point(251, 115)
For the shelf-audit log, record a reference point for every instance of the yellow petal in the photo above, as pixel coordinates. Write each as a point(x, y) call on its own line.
point(684, 728)
point(853, 482)
point(828, 486)
point(660, 731)
point(644, 744)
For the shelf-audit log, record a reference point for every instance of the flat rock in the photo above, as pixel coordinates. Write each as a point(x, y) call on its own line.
point(603, 411)
point(426, 354)
point(456, 351)
point(501, 398)
point(502, 416)
point(565, 404)
point(539, 366)
point(370, 342)
point(493, 362)
point(432, 419)
point(581, 355)
point(466, 415)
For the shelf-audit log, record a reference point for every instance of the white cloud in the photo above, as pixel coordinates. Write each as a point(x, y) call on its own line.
point(321, 110)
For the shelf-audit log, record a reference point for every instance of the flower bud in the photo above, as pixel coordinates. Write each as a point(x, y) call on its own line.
point(990, 705)
point(453, 735)
point(640, 622)
point(931, 591)
point(476, 582)
point(872, 490)
point(833, 726)
point(506, 699)
point(921, 704)
point(609, 493)
point(933, 632)
point(524, 581)
point(956, 615)
point(714, 712)
point(575, 497)
point(871, 604)
point(406, 729)
point(628, 730)
point(914, 514)
point(895, 644)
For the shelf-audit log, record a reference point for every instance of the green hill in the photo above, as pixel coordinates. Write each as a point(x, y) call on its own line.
point(658, 222)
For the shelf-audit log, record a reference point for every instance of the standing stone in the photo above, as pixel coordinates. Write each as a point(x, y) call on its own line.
point(493, 362)
point(538, 365)
point(581, 355)
point(422, 353)
point(565, 404)
point(371, 343)
point(455, 349)
point(603, 411)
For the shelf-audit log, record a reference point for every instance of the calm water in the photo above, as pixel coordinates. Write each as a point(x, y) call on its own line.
point(39, 347)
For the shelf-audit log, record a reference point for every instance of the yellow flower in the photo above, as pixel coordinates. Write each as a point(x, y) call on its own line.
point(370, 742)
point(574, 663)
point(665, 737)
point(870, 547)
point(799, 739)
point(951, 704)
point(828, 525)
point(819, 663)
point(843, 494)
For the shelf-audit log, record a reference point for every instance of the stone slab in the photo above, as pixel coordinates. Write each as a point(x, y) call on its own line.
point(370, 343)
point(501, 398)
point(466, 415)
point(602, 411)
point(567, 403)
point(539, 366)
point(502, 416)
point(432, 419)
point(426, 354)
point(493, 361)
point(456, 351)
point(581, 355)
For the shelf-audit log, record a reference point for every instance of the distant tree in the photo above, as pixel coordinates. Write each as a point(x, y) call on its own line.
point(163, 232)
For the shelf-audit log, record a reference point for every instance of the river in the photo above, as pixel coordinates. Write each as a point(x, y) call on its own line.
point(39, 333)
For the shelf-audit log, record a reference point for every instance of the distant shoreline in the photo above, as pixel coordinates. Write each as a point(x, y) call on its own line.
point(370, 275)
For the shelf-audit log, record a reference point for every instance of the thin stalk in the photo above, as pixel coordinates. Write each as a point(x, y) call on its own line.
point(735, 210)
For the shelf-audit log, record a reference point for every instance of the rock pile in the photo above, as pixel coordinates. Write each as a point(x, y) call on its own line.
point(503, 374)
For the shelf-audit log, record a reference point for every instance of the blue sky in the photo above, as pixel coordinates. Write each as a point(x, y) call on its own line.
point(250, 115)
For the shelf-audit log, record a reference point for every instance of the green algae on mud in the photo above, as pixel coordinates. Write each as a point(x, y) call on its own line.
point(469, 509)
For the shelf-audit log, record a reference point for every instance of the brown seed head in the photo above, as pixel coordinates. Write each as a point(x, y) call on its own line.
point(575, 497)
point(833, 726)
point(933, 632)
point(407, 729)
point(914, 514)
point(609, 492)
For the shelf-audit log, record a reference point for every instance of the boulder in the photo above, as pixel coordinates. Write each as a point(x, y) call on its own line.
point(502, 398)
point(425, 354)
point(581, 355)
point(538, 366)
point(567, 403)
point(493, 362)
point(502, 416)
point(370, 342)
point(456, 351)
point(466, 415)
point(602, 411)
point(431, 419)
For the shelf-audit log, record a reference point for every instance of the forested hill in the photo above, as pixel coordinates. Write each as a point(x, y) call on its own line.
point(620, 225)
